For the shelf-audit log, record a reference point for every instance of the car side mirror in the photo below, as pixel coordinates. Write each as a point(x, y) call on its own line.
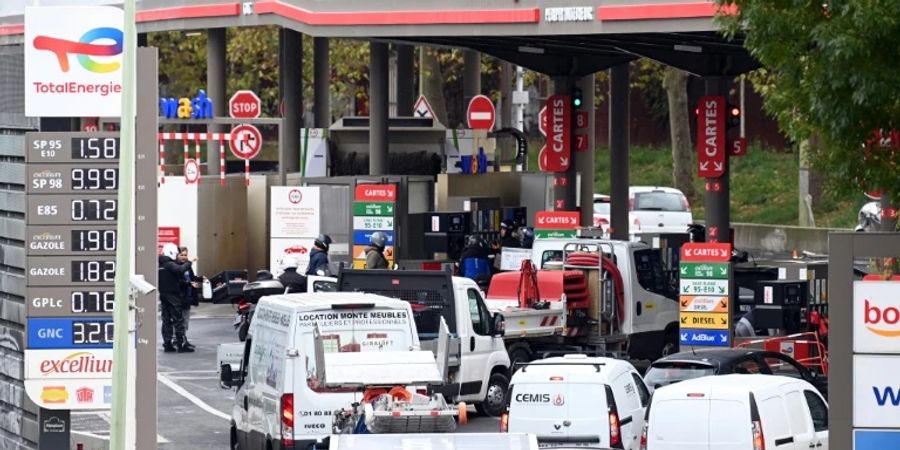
point(499, 325)
point(226, 376)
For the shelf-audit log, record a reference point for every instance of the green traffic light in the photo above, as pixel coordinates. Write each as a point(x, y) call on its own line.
point(576, 102)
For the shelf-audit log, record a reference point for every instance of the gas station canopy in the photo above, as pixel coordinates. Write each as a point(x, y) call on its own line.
point(559, 38)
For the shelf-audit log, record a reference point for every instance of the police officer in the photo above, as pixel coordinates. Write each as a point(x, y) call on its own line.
point(375, 251)
point(290, 279)
point(318, 257)
point(171, 297)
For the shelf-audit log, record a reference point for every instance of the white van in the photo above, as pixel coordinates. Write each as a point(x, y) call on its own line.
point(280, 403)
point(578, 400)
point(737, 412)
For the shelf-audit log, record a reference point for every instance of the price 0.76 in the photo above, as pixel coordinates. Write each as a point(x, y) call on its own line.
point(92, 301)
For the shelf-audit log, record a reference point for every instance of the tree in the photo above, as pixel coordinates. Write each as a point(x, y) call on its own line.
point(675, 83)
point(832, 72)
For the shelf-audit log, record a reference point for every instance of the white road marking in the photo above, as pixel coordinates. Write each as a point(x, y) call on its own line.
point(193, 399)
point(105, 415)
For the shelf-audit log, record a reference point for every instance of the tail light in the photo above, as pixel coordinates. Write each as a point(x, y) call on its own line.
point(504, 422)
point(637, 223)
point(759, 440)
point(615, 430)
point(644, 436)
point(287, 420)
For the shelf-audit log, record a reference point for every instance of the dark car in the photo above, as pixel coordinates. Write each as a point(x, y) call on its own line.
point(687, 365)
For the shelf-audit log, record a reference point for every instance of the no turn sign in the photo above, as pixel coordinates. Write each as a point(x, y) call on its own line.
point(245, 142)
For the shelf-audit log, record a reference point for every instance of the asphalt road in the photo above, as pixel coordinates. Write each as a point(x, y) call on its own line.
point(193, 411)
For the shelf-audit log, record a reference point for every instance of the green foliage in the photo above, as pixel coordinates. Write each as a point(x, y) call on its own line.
point(831, 72)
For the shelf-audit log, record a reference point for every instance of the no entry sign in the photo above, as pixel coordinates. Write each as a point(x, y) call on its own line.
point(245, 142)
point(244, 105)
point(711, 137)
point(481, 113)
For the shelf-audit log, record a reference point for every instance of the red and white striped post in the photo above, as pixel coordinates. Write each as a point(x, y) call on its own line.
point(162, 159)
point(222, 159)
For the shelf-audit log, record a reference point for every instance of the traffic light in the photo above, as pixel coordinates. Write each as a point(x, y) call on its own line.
point(733, 116)
point(577, 99)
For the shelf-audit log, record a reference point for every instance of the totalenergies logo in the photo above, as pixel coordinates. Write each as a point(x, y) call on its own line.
point(882, 320)
point(84, 48)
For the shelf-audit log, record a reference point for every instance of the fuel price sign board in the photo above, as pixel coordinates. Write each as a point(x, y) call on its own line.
point(705, 272)
point(72, 181)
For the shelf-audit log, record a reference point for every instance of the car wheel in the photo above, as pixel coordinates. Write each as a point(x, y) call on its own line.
point(495, 399)
point(670, 345)
point(519, 355)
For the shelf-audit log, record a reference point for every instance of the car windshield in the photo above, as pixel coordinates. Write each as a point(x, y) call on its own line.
point(601, 207)
point(666, 373)
point(658, 201)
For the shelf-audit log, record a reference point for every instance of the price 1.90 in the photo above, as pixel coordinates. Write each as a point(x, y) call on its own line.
point(94, 240)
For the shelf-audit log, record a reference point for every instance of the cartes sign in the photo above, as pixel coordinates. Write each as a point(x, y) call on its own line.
point(375, 193)
point(706, 251)
point(557, 220)
point(711, 137)
point(556, 155)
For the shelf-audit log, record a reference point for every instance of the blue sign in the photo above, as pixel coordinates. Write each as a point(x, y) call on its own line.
point(361, 237)
point(70, 333)
point(711, 338)
point(876, 439)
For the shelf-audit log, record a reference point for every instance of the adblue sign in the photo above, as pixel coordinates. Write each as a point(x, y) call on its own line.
point(876, 317)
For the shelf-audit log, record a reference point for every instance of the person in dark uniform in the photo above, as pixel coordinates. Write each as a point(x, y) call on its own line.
point(318, 257)
point(507, 235)
point(191, 291)
point(171, 297)
point(293, 282)
point(375, 251)
point(474, 262)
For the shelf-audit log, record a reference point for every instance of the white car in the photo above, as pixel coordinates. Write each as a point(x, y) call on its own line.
point(651, 209)
point(736, 412)
point(578, 400)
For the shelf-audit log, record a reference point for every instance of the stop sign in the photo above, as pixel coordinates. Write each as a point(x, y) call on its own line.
point(244, 105)
point(481, 113)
